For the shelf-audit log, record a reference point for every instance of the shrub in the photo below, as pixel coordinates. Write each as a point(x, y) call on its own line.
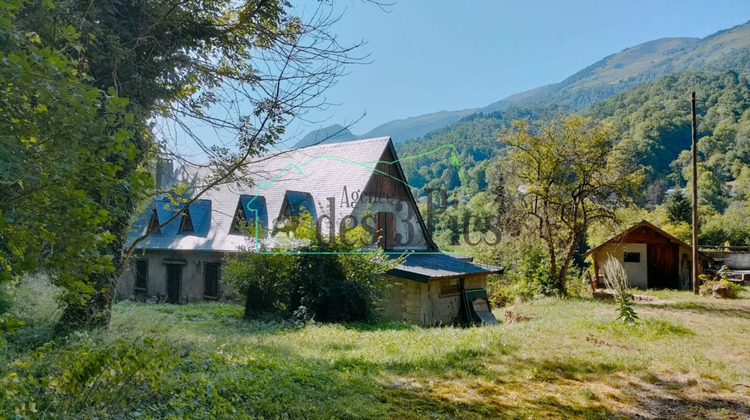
point(526, 269)
point(732, 291)
point(306, 276)
point(84, 376)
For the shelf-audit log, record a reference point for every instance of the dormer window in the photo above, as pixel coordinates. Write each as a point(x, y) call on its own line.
point(240, 219)
point(186, 225)
point(153, 224)
point(251, 211)
point(296, 203)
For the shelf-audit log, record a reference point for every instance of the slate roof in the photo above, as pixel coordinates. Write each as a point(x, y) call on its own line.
point(306, 177)
point(425, 266)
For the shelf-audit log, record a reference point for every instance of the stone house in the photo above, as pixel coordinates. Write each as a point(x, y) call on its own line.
point(341, 185)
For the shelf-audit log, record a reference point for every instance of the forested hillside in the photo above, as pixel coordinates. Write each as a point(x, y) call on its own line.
point(725, 50)
point(475, 141)
point(653, 121)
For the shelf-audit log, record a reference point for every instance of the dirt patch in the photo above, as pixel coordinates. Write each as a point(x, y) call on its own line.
point(680, 395)
point(590, 338)
point(511, 316)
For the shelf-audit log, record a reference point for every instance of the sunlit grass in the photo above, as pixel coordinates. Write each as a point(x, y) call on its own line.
point(571, 358)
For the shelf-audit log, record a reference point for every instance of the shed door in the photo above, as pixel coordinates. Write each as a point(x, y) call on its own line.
point(174, 274)
point(663, 266)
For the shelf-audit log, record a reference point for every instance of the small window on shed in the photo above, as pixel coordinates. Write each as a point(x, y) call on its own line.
point(450, 287)
point(211, 277)
point(631, 257)
point(141, 274)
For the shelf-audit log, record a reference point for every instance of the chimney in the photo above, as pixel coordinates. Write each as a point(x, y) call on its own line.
point(164, 174)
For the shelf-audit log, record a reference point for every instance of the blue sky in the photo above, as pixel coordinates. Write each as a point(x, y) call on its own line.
point(432, 55)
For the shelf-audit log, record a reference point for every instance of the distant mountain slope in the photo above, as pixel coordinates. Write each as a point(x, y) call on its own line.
point(725, 50)
point(399, 130)
point(332, 134)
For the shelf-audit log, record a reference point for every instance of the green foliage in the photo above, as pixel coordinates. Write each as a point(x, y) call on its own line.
point(678, 208)
point(475, 141)
point(732, 227)
point(654, 118)
point(85, 375)
point(526, 270)
point(306, 275)
point(62, 139)
point(567, 174)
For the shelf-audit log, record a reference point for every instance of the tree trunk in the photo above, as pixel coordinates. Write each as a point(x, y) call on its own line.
point(96, 312)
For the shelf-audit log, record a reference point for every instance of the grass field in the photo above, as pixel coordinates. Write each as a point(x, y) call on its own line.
point(689, 357)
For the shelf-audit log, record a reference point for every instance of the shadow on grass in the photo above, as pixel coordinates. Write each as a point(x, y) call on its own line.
point(380, 326)
point(411, 404)
point(665, 397)
point(704, 308)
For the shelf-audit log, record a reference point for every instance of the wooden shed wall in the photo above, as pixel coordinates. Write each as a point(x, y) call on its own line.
point(432, 303)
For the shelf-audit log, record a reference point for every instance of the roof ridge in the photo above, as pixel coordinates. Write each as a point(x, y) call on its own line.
point(340, 143)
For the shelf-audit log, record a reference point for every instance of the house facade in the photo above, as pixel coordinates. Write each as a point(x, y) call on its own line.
point(341, 185)
point(652, 258)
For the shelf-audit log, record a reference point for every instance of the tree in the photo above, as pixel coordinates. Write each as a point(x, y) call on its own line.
point(62, 138)
point(243, 68)
point(566, 175)
point(678, 208)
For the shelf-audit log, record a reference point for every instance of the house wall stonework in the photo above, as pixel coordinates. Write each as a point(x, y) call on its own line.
point(192, 282)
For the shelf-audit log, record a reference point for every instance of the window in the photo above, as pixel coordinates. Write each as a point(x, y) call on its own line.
point(450, 287)
point(631, 257)
point(186, 225)
point(211, 277)
point(240, 220)
point(141, 274)
point(153, 224)
point(385, 225)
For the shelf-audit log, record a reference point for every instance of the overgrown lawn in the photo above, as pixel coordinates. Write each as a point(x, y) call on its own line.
point(688, 357)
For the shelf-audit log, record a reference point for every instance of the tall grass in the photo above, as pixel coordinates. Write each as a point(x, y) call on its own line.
point(571, 359)
point(616, 280)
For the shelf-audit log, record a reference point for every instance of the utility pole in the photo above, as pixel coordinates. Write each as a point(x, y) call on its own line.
point(696, 281)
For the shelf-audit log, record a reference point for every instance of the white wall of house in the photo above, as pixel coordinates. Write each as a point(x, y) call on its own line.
point(637, 272)
point(192, 285)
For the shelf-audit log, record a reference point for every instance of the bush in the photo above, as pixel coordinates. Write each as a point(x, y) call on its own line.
point(729, 289)
point(84, 376)
point(526, 270)
point(306, 276)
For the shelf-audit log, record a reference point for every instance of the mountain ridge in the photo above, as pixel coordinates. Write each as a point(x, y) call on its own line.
point(727, 49)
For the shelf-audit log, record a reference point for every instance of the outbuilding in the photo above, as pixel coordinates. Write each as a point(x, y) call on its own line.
point(652, 258)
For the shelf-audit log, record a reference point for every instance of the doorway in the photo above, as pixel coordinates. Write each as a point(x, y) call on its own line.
point(663, 266)
point(174, 277)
